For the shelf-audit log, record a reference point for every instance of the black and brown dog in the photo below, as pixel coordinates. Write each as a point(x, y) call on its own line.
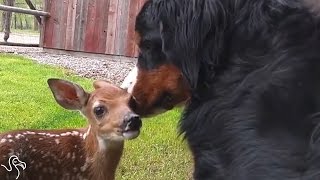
point(249, 71)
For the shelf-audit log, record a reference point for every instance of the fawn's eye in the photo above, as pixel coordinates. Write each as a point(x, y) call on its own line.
point(99, 111)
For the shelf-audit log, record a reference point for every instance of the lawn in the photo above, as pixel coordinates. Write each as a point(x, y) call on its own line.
point(26, 102)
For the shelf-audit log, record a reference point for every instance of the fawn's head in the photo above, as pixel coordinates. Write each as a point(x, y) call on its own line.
point(106, 108)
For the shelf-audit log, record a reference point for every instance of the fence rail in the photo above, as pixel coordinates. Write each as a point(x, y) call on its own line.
point(24, 11)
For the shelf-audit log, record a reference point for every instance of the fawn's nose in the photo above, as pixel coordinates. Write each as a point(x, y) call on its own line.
point(132, 122)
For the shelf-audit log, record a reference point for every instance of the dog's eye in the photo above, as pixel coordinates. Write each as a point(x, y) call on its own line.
point(99, 111)
point(168, 98)
point(166, 101)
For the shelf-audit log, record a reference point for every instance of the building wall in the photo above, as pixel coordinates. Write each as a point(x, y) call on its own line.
point(95, 26)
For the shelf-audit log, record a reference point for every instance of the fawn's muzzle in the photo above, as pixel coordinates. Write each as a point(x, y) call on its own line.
point(131, 126)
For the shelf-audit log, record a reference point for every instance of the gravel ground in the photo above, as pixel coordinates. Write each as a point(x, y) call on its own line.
point(21, 38)
point(112, 68)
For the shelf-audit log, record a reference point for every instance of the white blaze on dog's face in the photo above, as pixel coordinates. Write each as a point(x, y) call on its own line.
point(129, 82)
point(155, 91)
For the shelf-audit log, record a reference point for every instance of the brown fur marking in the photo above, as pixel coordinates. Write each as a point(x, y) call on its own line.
point(152, 84)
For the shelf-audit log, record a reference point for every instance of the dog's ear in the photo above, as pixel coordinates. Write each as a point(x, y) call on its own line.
point(190, 34)
point(178, 42)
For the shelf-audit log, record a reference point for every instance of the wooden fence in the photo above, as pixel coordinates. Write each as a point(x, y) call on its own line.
point(95, 26)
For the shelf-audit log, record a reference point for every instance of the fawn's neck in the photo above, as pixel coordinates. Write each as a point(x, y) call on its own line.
point(104, 155)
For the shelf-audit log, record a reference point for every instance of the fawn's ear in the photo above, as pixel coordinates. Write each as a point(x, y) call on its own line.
point(67, 94)
point(103, 84)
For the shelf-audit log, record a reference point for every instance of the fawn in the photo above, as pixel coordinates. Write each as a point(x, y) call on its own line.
point(73, 154)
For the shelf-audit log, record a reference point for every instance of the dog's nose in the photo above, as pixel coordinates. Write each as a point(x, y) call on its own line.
point(133, 122)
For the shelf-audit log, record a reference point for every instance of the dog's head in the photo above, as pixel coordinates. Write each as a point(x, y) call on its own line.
point(174, 43)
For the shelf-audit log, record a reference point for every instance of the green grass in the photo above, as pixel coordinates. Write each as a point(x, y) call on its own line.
point(26, 102)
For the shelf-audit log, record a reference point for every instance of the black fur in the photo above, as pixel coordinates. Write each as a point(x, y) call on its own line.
point(254, 70)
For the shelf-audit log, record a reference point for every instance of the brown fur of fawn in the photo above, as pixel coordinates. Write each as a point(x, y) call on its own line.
point(74, 154)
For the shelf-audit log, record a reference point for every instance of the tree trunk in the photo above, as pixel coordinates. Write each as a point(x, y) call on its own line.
point(21, 24)
point(2, 21)
point(12, 21)
point(3, 17)
point(33, 7)
point(35, 24)
point(15, 21)
point(27, 23)
point(7, 21)
point(35, 20)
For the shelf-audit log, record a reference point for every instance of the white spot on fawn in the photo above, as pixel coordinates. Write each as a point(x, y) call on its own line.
point(73, 156)
point(75, 133)
point(11, 152)
point(3, 140)
point(10, 140)
point(66, 134)
point(57, 141)
point(18, 136)
point(9, 136)
point(30, 132)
